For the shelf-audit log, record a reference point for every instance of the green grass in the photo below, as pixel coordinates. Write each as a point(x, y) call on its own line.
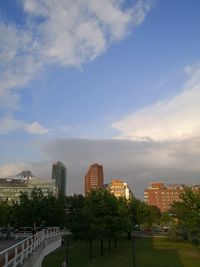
point(150, 252)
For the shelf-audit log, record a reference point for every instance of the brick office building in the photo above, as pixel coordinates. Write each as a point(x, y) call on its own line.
point(161, 195)
point(94, 178)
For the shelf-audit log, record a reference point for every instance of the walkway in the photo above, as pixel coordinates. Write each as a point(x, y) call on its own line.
point(4, 244)
point(31, 251)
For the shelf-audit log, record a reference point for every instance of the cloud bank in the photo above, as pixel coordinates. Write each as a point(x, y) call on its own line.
point(138, 163)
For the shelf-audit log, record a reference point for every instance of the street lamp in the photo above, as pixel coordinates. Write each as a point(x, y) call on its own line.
point(133, 250)
point(67, 251)
point(65, 263)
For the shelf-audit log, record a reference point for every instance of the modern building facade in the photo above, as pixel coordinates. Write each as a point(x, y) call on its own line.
point(119, 188)
point(161, 195)
point(59, 175)
point(12, 187)
point(94, 178)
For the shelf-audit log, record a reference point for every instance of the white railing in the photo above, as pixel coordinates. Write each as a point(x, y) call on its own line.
point(21, 233)
point(19, 253)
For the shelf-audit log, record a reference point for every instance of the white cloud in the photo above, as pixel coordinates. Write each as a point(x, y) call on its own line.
point(177, 118)
point(18, 62)
point(74, 31)
point(65, 32)
point(36, 128)
point(17, 57)
point(10, 124)
point(140, 10)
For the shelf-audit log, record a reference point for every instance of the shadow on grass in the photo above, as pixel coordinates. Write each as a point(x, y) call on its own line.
point(79, 252)
point(151, 252)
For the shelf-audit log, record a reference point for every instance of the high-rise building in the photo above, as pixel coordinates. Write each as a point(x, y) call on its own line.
point(59, 174)
point(120, 189)
point(94, 178)
point(163, 196)
point(12, 187)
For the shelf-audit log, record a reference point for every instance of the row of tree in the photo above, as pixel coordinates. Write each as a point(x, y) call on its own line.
point(99, 215)
point(76, 212)
point(35, 209)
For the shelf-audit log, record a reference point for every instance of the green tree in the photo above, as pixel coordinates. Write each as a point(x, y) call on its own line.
point(155, 215)
point(22, 212)
point(102, 210)
point(143, 214)
point(39, 209)
point(5, 213)
point(166, 218)
point(125, 222)
point(76, 215)
point(53, 211)
point(187, 213)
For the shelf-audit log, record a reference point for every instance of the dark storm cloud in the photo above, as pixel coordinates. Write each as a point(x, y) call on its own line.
point(138, 163)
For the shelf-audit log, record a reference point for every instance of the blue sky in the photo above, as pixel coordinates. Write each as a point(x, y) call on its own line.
point(113, 70)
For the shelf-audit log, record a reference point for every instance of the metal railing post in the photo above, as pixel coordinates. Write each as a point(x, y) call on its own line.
point(22, 254)
point(6, 258)
point(15, 257)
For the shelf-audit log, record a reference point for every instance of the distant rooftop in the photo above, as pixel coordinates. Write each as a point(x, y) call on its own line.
point(59, 163)
point(24, 176)
point(161, 185)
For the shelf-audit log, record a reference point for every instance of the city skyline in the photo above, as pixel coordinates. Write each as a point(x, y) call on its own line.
point(96, 173)
point(115, 82)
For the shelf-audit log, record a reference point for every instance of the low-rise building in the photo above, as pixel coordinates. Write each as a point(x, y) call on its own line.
point(11, 187)
point(119, 188)
point(161, 195)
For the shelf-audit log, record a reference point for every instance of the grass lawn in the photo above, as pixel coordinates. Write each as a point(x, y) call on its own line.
point(150, 252)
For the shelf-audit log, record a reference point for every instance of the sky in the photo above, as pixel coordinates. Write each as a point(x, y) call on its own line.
point(115, 82)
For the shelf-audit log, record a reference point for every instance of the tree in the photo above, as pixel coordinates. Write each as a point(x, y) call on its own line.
point(22, 212)
point(53, 211)
point(102, 210)
point(75, 215)
point(39, 209)
point(155, 215)
point(5, 212)
point(187, 212)
point(125, 223)
point(166, 218)
point(141, 213)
